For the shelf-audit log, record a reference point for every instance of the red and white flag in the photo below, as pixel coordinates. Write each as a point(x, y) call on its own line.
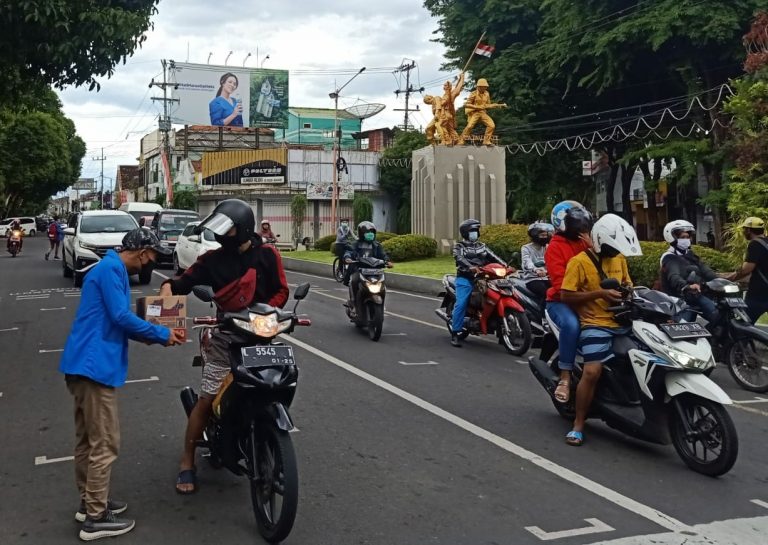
point(484, 50)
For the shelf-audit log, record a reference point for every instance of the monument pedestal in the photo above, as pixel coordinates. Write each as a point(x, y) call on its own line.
point(451, 184)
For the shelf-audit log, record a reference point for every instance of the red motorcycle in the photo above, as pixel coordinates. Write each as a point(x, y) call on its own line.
point(494, 308)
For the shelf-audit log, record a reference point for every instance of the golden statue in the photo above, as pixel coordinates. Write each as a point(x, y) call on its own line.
point(443, 124)
point(475, 107)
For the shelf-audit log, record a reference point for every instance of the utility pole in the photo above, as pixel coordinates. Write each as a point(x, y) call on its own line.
point(165, 125)
point(101, 190)
point(407, 67)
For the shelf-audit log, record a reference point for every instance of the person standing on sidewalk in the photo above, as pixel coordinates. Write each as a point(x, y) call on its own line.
point(756, 265)
point(95, 364)
point(55, 236)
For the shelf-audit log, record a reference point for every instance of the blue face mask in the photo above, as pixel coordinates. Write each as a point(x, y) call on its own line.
point(370, 237)
point(473, 236)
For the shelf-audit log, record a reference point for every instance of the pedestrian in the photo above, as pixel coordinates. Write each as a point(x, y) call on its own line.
point(95, 364)
point(55, 236)
point(756, 265)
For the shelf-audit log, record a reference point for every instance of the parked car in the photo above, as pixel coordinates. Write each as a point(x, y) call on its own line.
point(140, 209)
point(88, 238)
point(168, 224)
point(191, 246)
point(27, 223)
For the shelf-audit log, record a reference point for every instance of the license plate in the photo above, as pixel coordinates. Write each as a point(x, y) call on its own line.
point(504, 283)
point(684, 330)
point(735, 302)
point(267, 356)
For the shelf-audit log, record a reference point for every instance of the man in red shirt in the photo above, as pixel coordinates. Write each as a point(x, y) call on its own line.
point(572, 224)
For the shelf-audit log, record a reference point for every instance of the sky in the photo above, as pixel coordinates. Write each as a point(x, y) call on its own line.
point(296, 34)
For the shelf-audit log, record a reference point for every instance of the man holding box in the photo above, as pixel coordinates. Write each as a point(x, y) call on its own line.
point(95, 363)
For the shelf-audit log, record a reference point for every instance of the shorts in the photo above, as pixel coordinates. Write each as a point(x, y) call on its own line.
point(596, 343)
point(217, 365)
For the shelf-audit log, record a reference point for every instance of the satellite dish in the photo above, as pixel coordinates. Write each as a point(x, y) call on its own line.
point(365, 110)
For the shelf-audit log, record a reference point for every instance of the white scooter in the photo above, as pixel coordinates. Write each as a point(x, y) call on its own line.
point(656, 388)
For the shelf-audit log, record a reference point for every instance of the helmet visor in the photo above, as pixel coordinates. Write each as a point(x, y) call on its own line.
point(218, 223)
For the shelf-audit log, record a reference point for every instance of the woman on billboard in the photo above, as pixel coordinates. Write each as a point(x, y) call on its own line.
point(227, 109)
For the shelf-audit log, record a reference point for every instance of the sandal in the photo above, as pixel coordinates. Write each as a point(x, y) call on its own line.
point(563, 391)
point(187, 476)
point(574, 438)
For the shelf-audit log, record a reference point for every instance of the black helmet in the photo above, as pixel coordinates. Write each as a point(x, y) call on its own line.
point(469, 225)
point(227, 214)
point(365, 227)
point(577, 220)
point(535, 229)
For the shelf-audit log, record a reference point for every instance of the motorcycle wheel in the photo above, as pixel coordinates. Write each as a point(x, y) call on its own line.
point(375, 321)
point(518, 340)
point(338, 270)
point(745, 359)
point(449, 311)
point(274, 480)
point(712, 446)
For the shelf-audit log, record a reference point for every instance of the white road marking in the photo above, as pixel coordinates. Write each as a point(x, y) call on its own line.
point(521, 362)
point(42, 460)
point(430, 362)
point(761, 503)
point(756, 400)
point(161, 275)
point(596, 526)
point(1, 394)
point(394, 334)
point(51, 351)
point(750, 410)
point(71, 295)
point(744, 531)
point(9, 329)
point(32, 297)
point(57, 308)
point(625, 502)
point(150, 379)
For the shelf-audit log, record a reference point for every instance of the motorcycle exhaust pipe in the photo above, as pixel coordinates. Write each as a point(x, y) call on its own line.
point(441, 313)
point(188, 399)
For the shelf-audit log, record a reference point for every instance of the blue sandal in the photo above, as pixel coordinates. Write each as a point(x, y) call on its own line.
point(574, 438)
point(187, 476)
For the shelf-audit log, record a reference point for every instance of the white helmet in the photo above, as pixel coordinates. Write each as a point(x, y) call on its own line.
point(615, 232)
point(677, 225)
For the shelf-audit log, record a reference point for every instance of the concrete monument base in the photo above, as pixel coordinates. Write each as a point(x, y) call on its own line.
point(451, 184)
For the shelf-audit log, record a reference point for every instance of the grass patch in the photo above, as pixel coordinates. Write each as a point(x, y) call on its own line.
point(434, 267)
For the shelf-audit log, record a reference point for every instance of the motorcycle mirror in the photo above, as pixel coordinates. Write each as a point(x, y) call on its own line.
point(301, 291)
point(204, 293)
point(610, 284)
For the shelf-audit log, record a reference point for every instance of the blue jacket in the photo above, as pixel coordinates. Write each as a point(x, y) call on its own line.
point(97, 346)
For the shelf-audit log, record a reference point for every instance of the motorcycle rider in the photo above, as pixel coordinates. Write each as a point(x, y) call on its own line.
point(613, 240)
point(366, 245)
point(242, 272)
point(15, 226)
point(540, 234)
point(572, 223)
point(756, 265)
point(470, 255)
point(344, 237)
point(677, 263)
point(266, 232)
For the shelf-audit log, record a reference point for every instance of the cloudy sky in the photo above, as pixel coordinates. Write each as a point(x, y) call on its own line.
point(298, 35)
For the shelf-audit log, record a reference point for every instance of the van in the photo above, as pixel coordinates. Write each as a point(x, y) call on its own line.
point(140, 209)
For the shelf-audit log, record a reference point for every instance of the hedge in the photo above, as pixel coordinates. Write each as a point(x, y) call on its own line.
point(505, 239)
point(410, 247)
point(326, 243)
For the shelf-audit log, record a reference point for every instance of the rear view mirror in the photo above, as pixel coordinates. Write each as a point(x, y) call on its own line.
point(193, 238)
point(301, 291)
point(69, 231)
point(610, 284)
point(204, 293)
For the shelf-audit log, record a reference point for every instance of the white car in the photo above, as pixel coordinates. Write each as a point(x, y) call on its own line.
point(191, 246)
point(88, 238)
point(28, 224)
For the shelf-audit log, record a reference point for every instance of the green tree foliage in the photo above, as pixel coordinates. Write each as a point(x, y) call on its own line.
point(298, 212)
point(362, 208)
point(395, 176)
point(410, 247)
point(67, 42)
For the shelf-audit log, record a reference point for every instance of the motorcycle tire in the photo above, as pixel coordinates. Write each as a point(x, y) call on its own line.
point(712, 426)
point(449, 311)
point(375, 321)
point(273, 472)
point(745, 359)
point(523, 334)
point(338, 270)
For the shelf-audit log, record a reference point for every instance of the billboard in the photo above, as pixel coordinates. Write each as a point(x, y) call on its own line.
point(84, 184)
point(324, 191)
point(229, 96)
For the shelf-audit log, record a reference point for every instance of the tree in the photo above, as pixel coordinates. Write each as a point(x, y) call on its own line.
point(362, 208)
point(298, 212)
point(395, 174)
point(67, 42)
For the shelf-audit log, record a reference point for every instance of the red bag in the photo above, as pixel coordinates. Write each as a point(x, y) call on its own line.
point(52, 231)
point(238, 294)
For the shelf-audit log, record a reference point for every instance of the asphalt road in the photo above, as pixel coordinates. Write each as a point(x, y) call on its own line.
point(404, 441)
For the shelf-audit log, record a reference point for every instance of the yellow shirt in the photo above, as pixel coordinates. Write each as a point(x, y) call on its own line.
point(581, 275)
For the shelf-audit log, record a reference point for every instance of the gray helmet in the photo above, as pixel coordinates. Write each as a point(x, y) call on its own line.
point(365, 227)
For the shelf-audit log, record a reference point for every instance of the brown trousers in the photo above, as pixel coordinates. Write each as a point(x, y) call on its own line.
point(97, 433)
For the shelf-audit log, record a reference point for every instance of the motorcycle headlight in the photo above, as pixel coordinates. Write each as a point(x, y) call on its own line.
point(500, 272)
point(263, 325)
point(680, 358)
point(373, 287)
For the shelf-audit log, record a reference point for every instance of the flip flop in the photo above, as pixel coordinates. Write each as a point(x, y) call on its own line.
point(574, 438)
point(187, 476)
point(563, 391)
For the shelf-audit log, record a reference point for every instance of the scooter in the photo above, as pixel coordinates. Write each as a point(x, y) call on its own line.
point(531, 291)
point(493, 308)
point(248, 432)
point(656, 388)
point(366, 308)
point(14, 242)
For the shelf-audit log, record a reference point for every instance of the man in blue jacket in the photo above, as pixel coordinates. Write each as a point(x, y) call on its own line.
point(95, 363)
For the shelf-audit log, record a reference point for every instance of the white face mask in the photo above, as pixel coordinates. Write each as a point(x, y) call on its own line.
point(473, 236)
point(683, 244)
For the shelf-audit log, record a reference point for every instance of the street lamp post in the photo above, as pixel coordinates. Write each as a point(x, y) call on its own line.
point(263, 61)
point(337, 145)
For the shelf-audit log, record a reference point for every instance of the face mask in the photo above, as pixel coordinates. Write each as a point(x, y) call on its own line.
point(683, 244)
point(370, 237)
point(344, 224)
point(228, 243)
point(473, 236)
point(608, 251)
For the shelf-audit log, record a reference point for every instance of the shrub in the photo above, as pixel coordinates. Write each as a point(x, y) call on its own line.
point(325, 243)
point(644, 270)
point(383, 236)
point(505, 239)
point(410, 247)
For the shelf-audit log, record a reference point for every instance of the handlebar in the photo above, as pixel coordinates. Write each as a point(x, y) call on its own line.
point(205, 320)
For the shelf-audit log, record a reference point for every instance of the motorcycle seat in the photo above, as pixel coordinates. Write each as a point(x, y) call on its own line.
point(450, 279)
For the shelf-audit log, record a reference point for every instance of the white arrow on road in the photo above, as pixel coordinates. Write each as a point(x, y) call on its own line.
point(596, 526)
point(42, 460)
point(430, 362)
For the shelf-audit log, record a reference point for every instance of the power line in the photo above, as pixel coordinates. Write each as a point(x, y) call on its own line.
point(408, 91)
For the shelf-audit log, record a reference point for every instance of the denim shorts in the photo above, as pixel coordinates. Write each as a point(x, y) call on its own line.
point(596, 343)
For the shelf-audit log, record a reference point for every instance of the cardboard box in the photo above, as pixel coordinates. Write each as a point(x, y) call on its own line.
point(168, 311)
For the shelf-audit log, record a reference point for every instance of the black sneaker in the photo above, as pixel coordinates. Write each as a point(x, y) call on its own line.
point(115, 506)
point(108, 525)
point(455, 340)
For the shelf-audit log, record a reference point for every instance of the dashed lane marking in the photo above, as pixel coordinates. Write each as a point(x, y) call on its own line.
point(593, 487)
point(42, 460)
point(761, 503)
point(33, 297)
point(756, 400)
point(394, 334)
point(596, 526)
point(9, 329)
point(430, 362)
point(51, 351)
point(750, 410)
point(49, 309)
point(150, 379)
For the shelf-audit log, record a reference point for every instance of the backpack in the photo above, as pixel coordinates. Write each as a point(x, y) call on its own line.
point(52, 231)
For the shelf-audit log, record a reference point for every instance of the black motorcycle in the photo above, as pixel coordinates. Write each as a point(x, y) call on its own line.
point(367, 305)
point(532, 293)
point(248, 431)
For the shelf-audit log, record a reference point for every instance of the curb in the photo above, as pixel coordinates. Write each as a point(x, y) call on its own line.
point(405, 282)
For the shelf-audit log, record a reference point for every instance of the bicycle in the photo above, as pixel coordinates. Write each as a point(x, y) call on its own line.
point(338, 269)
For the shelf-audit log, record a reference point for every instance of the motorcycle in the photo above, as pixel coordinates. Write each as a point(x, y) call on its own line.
point(531, 291)
point(493, 308)
point(656, 388)
point(366, 308)
point(14, 242)
point(248, 432)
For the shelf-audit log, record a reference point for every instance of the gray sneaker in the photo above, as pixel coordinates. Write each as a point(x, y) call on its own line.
point(108, 525)
point(115, 506)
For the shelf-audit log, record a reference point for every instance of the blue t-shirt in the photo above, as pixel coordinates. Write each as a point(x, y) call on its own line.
point(220, 108)
point(97, 346)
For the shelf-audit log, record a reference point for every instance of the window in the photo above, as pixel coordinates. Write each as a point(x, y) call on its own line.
point(364, 143)
point(307, 126)
point(107, 224)
point(188, 230)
